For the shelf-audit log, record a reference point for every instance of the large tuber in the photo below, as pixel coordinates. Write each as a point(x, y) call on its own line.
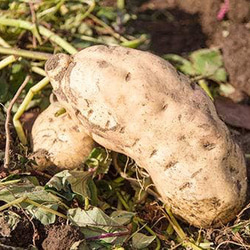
point(136, 103)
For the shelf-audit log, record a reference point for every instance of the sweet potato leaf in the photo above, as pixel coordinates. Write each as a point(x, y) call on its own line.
point(122, 217)
point(67, 184)
point(43, 216)
point(100, 160)
point(209, 63)
point(96, 225)
point(140, 241)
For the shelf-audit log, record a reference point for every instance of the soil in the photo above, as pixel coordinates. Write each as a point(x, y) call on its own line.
point(236, 54)
point(23, 234)
point(57, 236)
point(62, 237)
point(184, 26)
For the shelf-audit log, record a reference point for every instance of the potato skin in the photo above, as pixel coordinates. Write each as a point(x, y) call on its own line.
point(59, 142)
point(136, 103)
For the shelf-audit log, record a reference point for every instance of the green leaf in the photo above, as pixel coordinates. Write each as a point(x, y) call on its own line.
point(209, 63)
point(93, 193)
point(107, 12)
point(95, 223)
point(122, 217)
point(140, 241)
point(60, 186)
point(93, 217)
point(43, 216)
point(220, 75)
point(67, 184)
point(79, 182)
point(181, 64)
point(25, 188)
point(226, 89)
point(99, 158)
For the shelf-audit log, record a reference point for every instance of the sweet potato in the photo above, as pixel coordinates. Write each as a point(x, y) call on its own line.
point(59, 141)
point(136, 103)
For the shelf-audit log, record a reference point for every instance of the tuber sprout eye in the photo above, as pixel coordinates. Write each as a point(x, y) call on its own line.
point(56, 67)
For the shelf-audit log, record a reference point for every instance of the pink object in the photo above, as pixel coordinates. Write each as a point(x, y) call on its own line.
point(223, 10)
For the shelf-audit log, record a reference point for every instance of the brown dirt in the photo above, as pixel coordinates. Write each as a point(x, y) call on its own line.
point(234, 114)
point(58, 236)
point(178, 33)
point(236, 54)
point(23, 234)
point(178, 26)
point(62, 237)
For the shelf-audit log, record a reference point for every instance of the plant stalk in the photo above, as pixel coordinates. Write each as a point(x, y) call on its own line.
point(6, 61)
point(42, 30)
point(25, 53)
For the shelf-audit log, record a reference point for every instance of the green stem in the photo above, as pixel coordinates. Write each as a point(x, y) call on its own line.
point(5, 183)
point(108, 28)
point(17, 124)
point(134, 43)
point(124, 203)
point(27, 200)
point(42, 30)
point(51, 10)
point(158, 242)
point(25, 53)
point(184, 239)
point(129, 44)
point(94, 40)
point(86, 203)
point(89, 10)
point(4, 43)
point(175, 224)
point(203, 84)
point(59, 201)
point(38, 70)
point(120, 4)
point(47, 209)
point(6, 61)
point(12, 203)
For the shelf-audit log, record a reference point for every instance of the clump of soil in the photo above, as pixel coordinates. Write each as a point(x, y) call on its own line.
point(57, 236)
point(23, 234)
point(62, 237)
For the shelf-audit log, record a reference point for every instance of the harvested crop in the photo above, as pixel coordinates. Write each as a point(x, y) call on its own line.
point(136, 103)
point(59, 141)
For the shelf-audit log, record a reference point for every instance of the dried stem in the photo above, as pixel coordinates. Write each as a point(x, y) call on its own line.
point(108, 28)
point(33, 15)
point(6, 61)
point(7, 122)
point(42, 30)
point(4, 43)
point(25, 53)
point(109, 235)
